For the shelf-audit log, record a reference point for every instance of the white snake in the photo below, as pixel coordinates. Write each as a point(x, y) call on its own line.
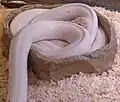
point(58, 24)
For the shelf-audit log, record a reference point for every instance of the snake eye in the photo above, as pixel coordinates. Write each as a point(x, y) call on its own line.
point(68, 11)
point(79, 24)
point(82, 21)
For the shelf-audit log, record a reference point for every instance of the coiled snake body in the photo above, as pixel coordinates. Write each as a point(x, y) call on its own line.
point(75, 24)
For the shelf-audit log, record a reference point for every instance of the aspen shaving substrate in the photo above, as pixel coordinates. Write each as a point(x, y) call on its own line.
point(78, 88)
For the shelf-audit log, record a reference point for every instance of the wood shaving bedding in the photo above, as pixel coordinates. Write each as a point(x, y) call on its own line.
point(78, 88)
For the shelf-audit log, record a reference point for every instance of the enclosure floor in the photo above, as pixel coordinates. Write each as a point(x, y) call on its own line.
point(78, 88)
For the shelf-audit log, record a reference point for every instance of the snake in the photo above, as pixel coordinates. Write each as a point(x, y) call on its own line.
point(62, 32)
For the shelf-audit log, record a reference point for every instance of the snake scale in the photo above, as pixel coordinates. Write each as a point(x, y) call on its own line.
point(62, 32)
